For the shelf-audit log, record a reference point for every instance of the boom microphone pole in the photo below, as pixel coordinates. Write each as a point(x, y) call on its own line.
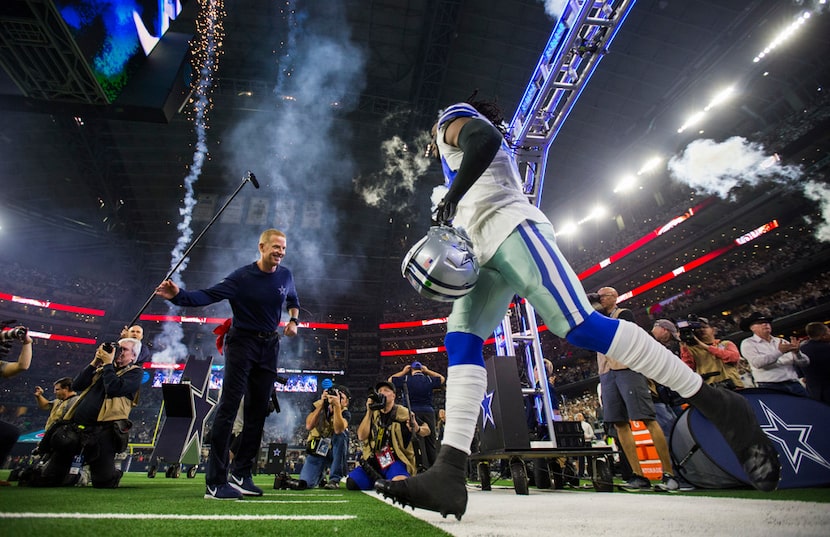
point(249, 176)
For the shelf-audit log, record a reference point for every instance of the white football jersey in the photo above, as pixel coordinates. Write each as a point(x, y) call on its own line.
point(495, 204)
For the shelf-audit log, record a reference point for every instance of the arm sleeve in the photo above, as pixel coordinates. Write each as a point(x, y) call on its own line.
point(84, 379)
point(126, 385)
point(800, 359)
point(725, 351)
point(291, 298)
point(756, 356)
point(687, 358)
point(226, 289)
point(480, 141)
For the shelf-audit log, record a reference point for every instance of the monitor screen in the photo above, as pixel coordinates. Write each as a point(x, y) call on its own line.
point(298, 383)
point(116, 37)
point(167, 376)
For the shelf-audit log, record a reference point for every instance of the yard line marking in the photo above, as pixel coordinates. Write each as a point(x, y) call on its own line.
point(303, 495)
point(146, 516)
point(296, 501)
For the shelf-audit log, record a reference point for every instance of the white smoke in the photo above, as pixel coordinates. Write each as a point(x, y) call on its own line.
point(820, 193)
point(170, 341)
point(403, 166)
point(720, 168)
point(554, 8)
point(298, 140)
point(438, 194)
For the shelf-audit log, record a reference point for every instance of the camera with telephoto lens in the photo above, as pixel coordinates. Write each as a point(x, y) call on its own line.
point(18, 333)
point(376, 401)
point(283, 481)
point(332, 391)
point(109, 346)
point(686, 327)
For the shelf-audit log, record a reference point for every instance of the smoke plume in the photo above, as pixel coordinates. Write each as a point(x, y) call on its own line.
point(719, 168)
point(402, 166)
point(170, 341)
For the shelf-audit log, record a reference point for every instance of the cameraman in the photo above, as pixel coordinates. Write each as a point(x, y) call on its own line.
point(328, 438)
point(8, 432)
point(385, 433)
point(714, 360)
point(64, 399)
point(421, 382)
point(97, 425)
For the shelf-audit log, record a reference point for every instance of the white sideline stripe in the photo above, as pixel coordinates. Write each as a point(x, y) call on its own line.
point(296, 501)
point(303, 495)
point(146, 516)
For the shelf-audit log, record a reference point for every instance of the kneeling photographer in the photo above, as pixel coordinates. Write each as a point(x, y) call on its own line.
point(97, 426)
point(386, 434)
point(10, 433)
point(328, 438)
point(714, 360)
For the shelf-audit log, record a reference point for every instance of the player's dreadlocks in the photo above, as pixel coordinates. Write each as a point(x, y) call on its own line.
point(489, 109)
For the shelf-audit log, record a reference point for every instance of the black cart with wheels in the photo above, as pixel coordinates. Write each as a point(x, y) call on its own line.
point(505, 436)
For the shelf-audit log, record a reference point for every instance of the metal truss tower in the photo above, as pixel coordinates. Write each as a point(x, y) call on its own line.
point(579, 40)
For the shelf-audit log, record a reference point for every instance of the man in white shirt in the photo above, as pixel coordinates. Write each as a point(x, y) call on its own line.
point(773, 360)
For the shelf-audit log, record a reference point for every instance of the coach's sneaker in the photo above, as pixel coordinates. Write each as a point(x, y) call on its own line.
point(732, 415)
point(222, 492)
point(245, 485)
point(442, 488)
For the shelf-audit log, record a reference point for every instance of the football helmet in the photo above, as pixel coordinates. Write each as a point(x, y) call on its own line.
point(441, 266)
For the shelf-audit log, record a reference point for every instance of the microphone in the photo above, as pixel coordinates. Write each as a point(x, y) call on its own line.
point(252, 178)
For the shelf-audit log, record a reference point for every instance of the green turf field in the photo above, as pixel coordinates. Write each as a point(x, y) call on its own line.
point(176, 507)
point(160, 507)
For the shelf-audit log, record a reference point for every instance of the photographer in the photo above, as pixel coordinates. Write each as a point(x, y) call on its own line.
point(8, 432)
point(625, 398)
point(714, 360)
point(385, 433)
point(64, 399)
point(328, 438)
point(97, 426)
point(137, 332)
point(421, 381)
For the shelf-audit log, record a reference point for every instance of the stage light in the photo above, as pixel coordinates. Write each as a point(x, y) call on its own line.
point(626, 183)
point(720, 98)
point(650, 165)
point(596, 213)
point(695, 118)
point(783, 36)
point(567, 228)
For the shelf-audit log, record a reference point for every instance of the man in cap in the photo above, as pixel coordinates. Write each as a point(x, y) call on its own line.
point(773, 360)
point(665, 332)
point(715, 360)
point(385, 433)
point(421, 382)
